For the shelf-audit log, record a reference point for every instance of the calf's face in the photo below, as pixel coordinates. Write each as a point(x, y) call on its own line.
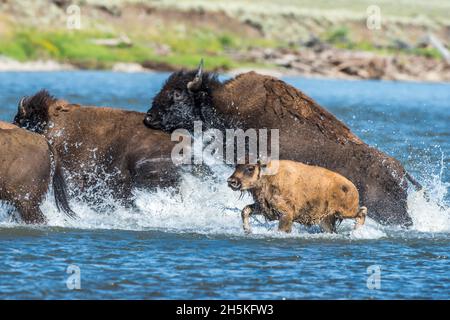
point(245, 177)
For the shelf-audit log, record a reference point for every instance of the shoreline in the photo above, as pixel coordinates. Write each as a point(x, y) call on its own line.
point(309, 42)
point(11, 65)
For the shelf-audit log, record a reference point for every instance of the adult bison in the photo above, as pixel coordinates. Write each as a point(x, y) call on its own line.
point(308, 133)
point(26, 172)
point(101, 148)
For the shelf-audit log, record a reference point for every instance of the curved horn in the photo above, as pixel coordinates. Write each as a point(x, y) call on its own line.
point(21, 106)
point(195, 84)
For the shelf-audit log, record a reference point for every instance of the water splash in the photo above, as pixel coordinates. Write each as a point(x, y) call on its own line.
point(428, 207)
point(210, 207)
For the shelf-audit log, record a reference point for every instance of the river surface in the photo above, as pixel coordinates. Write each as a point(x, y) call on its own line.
point(190, 245)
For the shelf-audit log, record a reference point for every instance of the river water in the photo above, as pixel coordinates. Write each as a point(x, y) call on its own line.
point(191, 246)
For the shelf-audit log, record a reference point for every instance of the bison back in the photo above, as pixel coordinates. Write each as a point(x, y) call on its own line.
point(317, 192)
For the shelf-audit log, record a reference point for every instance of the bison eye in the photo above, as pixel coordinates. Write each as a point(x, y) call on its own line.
point(177, 95)
point(250, 169)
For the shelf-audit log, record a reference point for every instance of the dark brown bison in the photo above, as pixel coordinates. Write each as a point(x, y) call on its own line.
point(26, 172)
point(308, 133)
point(291, 191)
point(99, 146)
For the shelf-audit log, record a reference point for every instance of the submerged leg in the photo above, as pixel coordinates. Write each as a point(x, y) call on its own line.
point(286, 222)
point(287, 214)
point(31, 214)
point(328, 224)
point(245, 214)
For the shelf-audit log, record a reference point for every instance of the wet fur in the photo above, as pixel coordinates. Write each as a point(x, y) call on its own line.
point(308, 195)
point(101, 144)
point(33, 111)
point(251, 100)
point(26, 171)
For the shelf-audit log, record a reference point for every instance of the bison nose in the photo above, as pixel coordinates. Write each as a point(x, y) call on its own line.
point(233, 183)
point(150, 121)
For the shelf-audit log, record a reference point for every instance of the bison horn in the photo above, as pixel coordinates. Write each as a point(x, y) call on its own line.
point(195, 84)
point(21, 106)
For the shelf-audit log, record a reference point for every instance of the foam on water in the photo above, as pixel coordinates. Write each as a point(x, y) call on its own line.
point(428, 209)
point(210, 207)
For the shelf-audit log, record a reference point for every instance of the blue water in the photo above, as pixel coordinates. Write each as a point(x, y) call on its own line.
point(191, 246)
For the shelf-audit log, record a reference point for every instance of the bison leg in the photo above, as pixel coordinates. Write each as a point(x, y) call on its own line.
point(361, 217)
point(246, 213)
point(31, 214)
point(328, 224)
point(287, 214)
point(286, 222)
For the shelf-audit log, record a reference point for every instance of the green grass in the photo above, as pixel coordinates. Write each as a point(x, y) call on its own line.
point(367, 46)
point(186, 47)
point(341, 38)
point(77, 47)
point(337, 35)
point(67, 46)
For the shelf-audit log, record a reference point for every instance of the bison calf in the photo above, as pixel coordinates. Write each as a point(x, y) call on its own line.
point(26, 171)
point(291, 191)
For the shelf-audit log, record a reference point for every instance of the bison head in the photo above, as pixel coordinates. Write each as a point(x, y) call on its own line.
point(33, 112)
point(246, 176)
point(181, 100)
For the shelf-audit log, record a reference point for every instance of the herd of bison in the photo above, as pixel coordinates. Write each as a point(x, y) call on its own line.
point(325, 173)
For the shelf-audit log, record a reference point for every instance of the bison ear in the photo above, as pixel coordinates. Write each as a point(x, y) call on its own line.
point(262, 163)
point(266, 169)
point(196, 83)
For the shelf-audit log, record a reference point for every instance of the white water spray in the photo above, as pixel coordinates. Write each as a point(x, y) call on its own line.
point(210, 207)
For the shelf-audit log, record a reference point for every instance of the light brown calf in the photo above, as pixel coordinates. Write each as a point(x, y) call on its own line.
point(291, 191)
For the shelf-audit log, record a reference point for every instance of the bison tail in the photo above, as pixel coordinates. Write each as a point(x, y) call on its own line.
point(414, 182)
point(60, 188)
point(418, 187)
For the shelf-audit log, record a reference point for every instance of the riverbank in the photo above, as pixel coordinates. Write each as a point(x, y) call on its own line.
point(306, 38)
point(326, 64)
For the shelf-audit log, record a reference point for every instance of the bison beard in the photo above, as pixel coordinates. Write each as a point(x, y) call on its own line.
point(308, 133)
